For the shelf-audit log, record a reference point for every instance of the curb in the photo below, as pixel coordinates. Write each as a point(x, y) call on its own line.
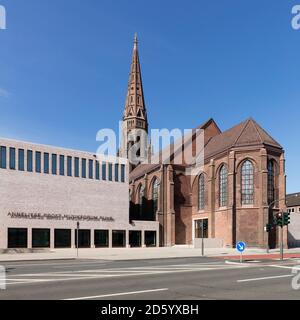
point(34, 260)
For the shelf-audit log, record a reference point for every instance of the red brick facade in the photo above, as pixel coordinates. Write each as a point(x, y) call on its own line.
point(177, 205)
point(178, 198)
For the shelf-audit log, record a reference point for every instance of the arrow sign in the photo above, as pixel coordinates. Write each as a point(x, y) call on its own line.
point(241, 246)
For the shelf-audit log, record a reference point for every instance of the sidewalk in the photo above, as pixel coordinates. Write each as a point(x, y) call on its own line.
point(144, 253)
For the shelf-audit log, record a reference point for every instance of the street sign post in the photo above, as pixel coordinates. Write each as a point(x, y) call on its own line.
point(202, 236)
point(268, 229)
point(241, 246)
point(77, 237)
point(204, 228)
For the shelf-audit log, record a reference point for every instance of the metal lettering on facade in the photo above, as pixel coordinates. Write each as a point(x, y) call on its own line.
point(47, 216)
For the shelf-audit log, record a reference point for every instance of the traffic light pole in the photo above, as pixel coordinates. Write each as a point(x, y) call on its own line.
point(202, 235)
point(281, 240)
point(281, 243)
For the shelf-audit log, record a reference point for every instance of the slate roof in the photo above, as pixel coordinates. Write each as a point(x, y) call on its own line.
point(246, 133)
point(293, 200)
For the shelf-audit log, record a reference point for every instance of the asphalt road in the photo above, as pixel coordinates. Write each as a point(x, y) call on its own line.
point(172, 279)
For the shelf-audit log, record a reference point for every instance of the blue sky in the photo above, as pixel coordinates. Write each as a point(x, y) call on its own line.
point(64, 68)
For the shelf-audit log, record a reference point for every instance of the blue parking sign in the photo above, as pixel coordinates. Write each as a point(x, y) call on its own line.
point(241, 246)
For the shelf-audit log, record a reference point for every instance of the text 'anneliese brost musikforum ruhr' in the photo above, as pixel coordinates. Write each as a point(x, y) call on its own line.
point(48, 216)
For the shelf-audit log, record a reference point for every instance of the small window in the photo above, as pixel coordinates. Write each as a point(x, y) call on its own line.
point(17, 238)
point(54, 164)
point(37, 162)
point(97, 170)
point(101, 238)
point(150, 238)
point(122, 172)
point(46, 163)
point(90, 169)
point(40, 238)
point(61, 165)
point(135, 238)
point(29, 160)
point(104, 171)
point(62, 238)
point(84, 238)
point(118, 238)
point(76, 167)
point(110, 171)
point(21, 166)
point(69, 166)
point(116, 172)
point(83, 168)
point(3, 157)
point(12, 158)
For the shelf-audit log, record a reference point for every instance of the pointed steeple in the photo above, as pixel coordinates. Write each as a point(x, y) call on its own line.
point(135, 122)
point(135, 113)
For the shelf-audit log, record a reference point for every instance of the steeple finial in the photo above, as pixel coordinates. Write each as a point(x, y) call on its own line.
point(135, 40)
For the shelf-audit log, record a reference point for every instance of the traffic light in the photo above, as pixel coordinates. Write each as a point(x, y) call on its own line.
point(268, 227)
point(279, 219)
point(286, 218)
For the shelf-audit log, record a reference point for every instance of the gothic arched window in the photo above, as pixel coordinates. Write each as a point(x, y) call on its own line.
point(271, 181)
point(247, 176)
point(223, 186)
point(141, 197)
point(201, 192)
point(155, 187)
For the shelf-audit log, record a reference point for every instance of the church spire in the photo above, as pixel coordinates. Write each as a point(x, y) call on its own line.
point(135, 113)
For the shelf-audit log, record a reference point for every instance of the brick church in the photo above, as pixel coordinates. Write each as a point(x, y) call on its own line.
point(235, 195)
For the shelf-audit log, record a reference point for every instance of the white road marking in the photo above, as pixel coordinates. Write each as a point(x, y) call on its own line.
point(237, 263)
point(32, 278)
point(265, 278)
point(118, 294)
point(58, 264)
point(285, 267)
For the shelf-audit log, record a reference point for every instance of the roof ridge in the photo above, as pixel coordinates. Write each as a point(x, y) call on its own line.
point(243, 129)
point(255, 126)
